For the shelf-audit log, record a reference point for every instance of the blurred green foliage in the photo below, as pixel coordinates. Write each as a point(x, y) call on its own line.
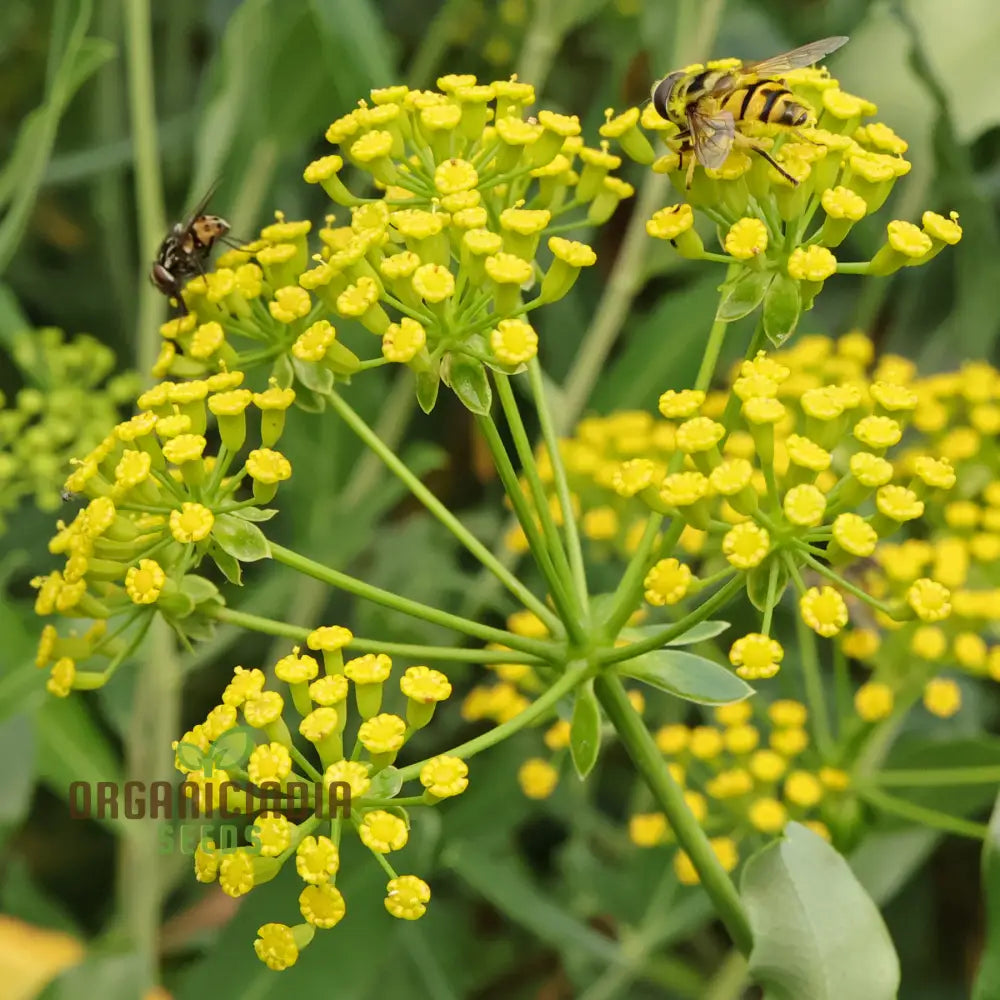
point(243, 93)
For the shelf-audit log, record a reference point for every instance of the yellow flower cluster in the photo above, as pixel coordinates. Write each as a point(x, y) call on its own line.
point(799, 474)
point(66, 403)
point(744, 778)
point(443, 266)
point(277, 783)
point(785, 198)
point(157, 504)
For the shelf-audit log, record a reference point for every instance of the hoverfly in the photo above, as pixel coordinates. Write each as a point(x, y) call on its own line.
point(707, 104)
point(184, 252)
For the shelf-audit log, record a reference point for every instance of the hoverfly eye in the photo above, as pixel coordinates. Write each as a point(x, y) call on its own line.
point(662, 92)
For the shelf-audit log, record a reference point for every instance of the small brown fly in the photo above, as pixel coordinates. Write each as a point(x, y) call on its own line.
point(184, 252)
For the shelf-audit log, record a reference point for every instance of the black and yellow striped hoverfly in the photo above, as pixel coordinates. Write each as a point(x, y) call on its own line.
point(707, 104)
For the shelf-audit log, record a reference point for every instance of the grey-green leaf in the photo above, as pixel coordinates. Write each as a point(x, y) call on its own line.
point(585, 730)
point(428, 384)
point(469, 381)
point(241, 539)
point(693, 678)
point(816, 932)
point(700, 632)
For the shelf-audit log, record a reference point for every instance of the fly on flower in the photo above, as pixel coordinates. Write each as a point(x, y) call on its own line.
point(185, 250)
point(706, 104)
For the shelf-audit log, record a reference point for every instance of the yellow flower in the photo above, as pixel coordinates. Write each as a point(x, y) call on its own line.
point(756, 656)
point(812, 263)
point(667, 582)
point(275, 946)
point(724, 849)
point(407, 897)
point(322, 905)
point(930, 600)
point(942, 697)
point(803, 789)
point(877, 432)
point(145, 582)
point(855, 535)
point(192, 523)
point(898, 503)
point(381, 831)
point(267, 466)
point(316, 859)
point(351, 772)
point(445, 776)
point(804, 505)
point(433, 282)
point(425, 685)
point(60, 682)
point(746, 239)
point(296, 669)
point(823, 610)
point(767, 815)
point(673, 739)
point(537, 778)
point(668, 223)
point(514, 341)
point(372, 668)
point(873, 701)
point(648, 829)
point(681, 404)
point(384, 733)
point(746, 545)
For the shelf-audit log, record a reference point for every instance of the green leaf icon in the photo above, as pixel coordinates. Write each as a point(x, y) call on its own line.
point(233, 747)
point(191, 756)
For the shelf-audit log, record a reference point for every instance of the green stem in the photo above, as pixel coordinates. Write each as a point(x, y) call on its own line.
point(440, 512)
point(154, 722)
point(629, 588)
point(719, 599)
point(553, 543)
point(561, 482)
point(730, 979)
point(713, 346)
point(641, 747)
point(269, 626)
point(387, 599)
point(576, 671)
point(536, 542)
point(937, 776)
point(812, 676)
point(148, 180)
point(922, 815)
point(840, 581)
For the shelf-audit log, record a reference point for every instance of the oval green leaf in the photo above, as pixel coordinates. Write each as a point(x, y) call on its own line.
point(816, 932)
point(782, 308)
point(687, 676)
point(385, 785)
point(241, 539)
point(469, 381)
point(700, 632)
point(428, 384)
point(743, 294)
point(585, 730)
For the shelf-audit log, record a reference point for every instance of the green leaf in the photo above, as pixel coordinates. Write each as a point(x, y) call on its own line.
point(816, 933)
point(313, 376)
point(428, 384)
point(987, 984)
point(685, 675)
point(469, 381)
point(240, 538)
point(782, 308)
point(701, 632)
point(228, 566)
point(255, 513)
point(198, 588)
point(17, 750)
point(585, 730)
point(743, 294)
point(758, 581)
point(385, 785)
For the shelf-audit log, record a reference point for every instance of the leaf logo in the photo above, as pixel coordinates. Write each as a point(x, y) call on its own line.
point(231, 749)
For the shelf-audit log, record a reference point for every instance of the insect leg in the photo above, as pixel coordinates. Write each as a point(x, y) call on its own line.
point(743, 140)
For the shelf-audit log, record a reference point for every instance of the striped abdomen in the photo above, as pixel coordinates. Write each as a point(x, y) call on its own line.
point(766, 101)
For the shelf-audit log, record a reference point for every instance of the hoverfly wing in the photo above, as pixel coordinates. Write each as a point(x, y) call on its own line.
point(199, 209)
point(712, 136)
point(804, 55)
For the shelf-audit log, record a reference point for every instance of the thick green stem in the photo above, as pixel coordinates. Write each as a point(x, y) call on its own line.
point(415, 609)
point(641, 747)
point(148, 180)
point(561, 482)
point(269, 626)
point(538, 709)
point(440, 511)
